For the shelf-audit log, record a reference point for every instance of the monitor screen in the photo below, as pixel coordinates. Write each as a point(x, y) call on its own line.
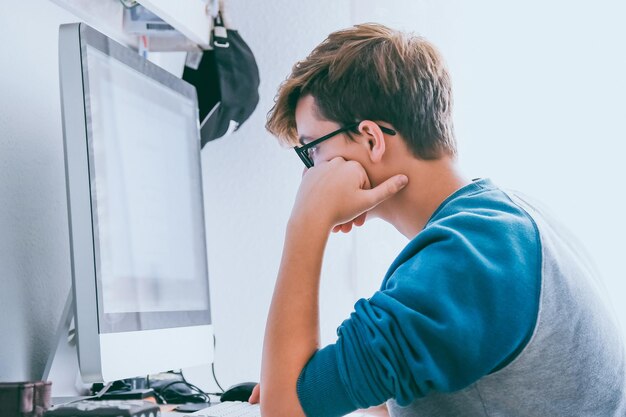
point(147, 199)
point(135, 207)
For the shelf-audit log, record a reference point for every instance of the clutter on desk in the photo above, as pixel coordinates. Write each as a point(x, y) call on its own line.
point(24, 399)
point(172, 388)
point(105, 408)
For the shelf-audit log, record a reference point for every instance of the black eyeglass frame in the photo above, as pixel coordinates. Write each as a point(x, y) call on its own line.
point(303, 151)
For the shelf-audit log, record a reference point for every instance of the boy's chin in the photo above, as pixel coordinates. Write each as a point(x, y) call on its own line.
point(373, 213)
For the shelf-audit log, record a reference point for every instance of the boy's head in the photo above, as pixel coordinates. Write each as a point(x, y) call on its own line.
point(371, 72)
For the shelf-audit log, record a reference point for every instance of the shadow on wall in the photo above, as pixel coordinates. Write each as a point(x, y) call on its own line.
point(34, 259)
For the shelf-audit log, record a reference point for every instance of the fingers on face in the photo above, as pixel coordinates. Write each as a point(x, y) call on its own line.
point(386, 189)
point(359, 221)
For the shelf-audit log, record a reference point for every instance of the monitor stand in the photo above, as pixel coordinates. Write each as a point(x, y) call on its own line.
point(62, 364)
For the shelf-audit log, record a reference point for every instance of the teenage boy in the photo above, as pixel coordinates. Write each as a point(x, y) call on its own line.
point(490, 310)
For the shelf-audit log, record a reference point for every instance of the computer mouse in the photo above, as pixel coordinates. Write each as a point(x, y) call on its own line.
point(238, 392)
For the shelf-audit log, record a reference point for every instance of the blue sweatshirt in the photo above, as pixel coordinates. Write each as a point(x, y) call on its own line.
point(459, 302)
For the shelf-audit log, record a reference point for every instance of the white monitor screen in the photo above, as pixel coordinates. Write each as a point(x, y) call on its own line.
point(146, 199)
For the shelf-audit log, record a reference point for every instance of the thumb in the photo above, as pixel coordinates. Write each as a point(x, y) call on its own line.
point(386, 189)
point(255, 397)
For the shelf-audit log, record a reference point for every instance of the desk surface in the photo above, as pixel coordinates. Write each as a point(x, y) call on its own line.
point(380, 411)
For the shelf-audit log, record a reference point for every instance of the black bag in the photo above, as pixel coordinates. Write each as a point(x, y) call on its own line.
point(226, 80)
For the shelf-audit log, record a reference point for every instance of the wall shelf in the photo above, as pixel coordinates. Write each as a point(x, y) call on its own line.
point(189, 17)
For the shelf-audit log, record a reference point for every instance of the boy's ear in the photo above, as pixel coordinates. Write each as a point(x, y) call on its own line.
point(374, 140)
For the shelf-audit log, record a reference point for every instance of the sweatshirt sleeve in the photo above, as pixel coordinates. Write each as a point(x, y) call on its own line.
point(460, 302)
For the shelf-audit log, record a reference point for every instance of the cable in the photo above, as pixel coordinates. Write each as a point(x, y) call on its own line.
point(174, 396)
point(92, 397)
point(212, 372)
point(167, 394)
point(213, 365)
point(215, 378)
point(157, 394)
point(103, 390)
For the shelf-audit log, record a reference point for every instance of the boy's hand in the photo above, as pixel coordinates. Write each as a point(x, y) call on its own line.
point(347, 227)
point(255, 397)
point(338, 192)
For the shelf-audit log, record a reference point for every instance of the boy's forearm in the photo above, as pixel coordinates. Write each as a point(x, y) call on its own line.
point(292, 330)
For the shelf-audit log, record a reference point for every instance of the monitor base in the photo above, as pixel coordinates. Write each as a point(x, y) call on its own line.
point(62, 367)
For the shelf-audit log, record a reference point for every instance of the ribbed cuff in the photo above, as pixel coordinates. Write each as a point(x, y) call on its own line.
point(320, 390)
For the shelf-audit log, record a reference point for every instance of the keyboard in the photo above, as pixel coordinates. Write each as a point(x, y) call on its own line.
point(225, 409)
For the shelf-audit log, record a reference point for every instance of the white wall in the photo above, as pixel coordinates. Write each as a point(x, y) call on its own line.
point(34, 247)
point(538, 92)
point(540, 104)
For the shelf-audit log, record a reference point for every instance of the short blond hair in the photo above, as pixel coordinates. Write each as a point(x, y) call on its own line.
point(372, 72)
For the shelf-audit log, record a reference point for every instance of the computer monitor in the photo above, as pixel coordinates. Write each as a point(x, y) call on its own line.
point(135, 208)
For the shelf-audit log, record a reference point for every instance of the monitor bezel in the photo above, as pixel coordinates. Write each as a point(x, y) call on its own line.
point(98, 343)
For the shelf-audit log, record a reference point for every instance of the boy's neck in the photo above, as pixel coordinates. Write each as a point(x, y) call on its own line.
point(430, 183)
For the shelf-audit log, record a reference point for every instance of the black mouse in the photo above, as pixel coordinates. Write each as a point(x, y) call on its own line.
point(238, 392)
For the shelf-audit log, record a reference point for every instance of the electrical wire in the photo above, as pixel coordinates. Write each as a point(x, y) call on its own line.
point(213, 366)
point(200, 395)
point(92, 397)
point(215, 378)
point(161, 392)
point(157, 394)
point(166, 395)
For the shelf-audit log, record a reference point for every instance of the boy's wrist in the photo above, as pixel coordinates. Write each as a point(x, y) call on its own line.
point(309, 223)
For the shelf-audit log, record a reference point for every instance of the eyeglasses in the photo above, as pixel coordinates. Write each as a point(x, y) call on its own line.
point(305, 152)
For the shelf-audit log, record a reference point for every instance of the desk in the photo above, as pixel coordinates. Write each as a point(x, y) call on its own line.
point(380, 411)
